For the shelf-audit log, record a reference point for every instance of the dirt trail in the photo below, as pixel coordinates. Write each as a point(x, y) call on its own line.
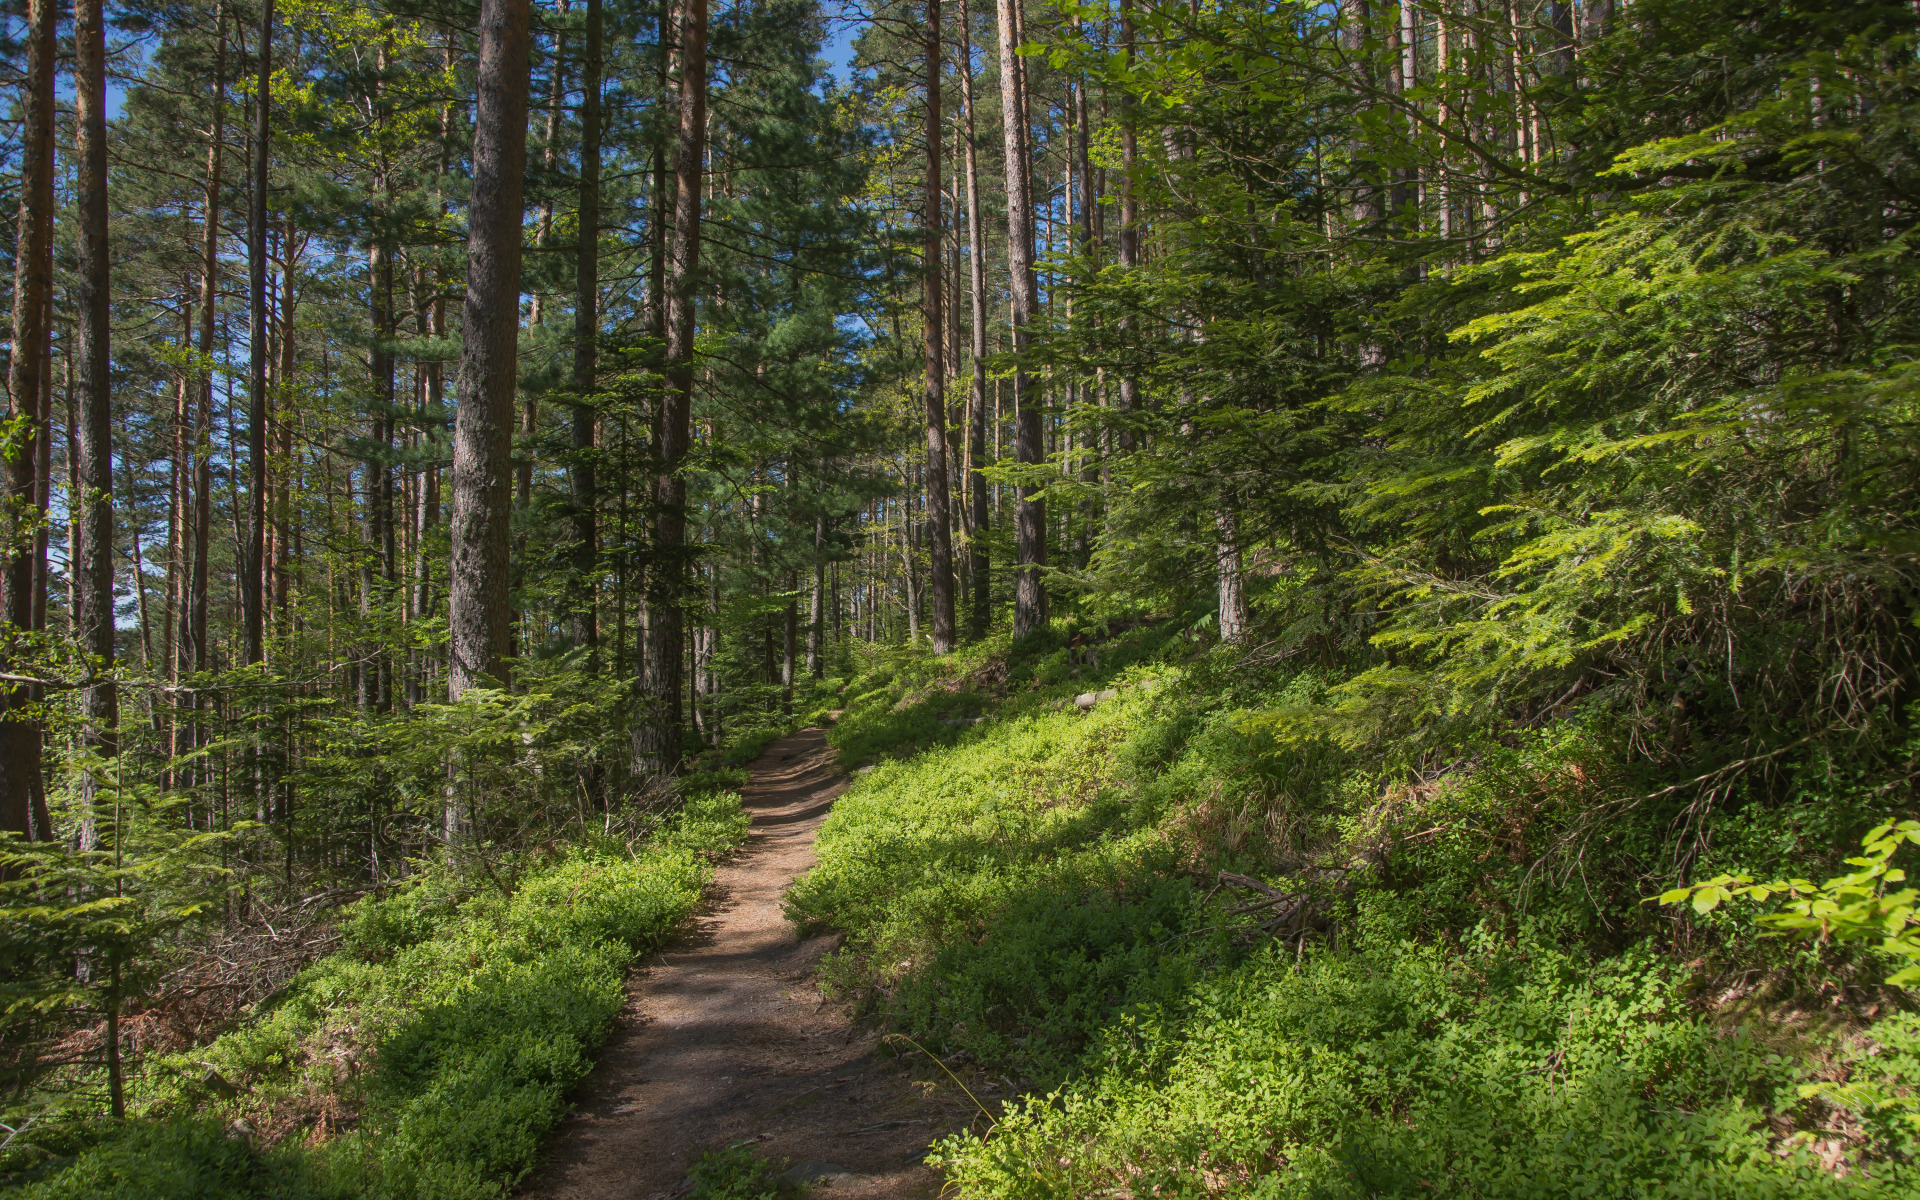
point(725, 1038)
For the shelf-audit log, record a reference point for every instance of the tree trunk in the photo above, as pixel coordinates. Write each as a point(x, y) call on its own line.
point(43, 475)
point(586, 333)
point(179, 509)
point(816, 597)
point(379, 518)
point(195, 648)
point(939, 523)
point(26, 375)
point(1089, 249)
point(282, 520)
point(93, 523)
point(981, 609)
point(657, 738)
point(1030, 517)
point(1127, 252)
point(253, 563)
point(790, 630)
point(1230, 578)
point(478, 602)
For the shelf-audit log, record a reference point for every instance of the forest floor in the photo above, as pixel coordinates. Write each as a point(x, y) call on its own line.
point(726, 1040)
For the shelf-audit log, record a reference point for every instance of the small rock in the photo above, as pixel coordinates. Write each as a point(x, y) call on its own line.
point(239, 1130)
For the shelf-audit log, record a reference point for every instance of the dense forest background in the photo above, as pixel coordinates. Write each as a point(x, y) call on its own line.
point(443, 444)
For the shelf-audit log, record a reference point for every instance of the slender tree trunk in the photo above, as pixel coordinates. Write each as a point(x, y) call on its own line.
point(253, 564)
point(530, 402)
point(657, 739)
point(379, 517)
point(1442, 68)
point(939, 522)
point(179, 518)
point(479, 602)
point(816, 597)
point(26, 375)
point(195, 653)
point(790, 631)
point(981, 609)
point(1127, 251)
point(1088, 201)
point(282, 520)
point(43, 476)
point(1230, 578)
point(1030, 518)
point(586, 333)
point(93, 523)
point(434, 421)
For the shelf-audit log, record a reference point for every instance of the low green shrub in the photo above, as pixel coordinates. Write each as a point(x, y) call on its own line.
point(193, 1157)
point(737, 1173)
point(429, 1057)
point(1482, 1004)
point(1499, 1071)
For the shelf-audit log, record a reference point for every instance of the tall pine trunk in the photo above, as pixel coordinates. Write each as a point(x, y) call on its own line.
point(657, 736)
point(26, 376)
point(253, 562)
point(1030, 514)
point(586, 333)
point(1127, 250)
point(980, 610)
point(816, 666)
point(194, 656)
point(379, 515)
point(939, 522)
point(1229, 578)
point(93, 522)
point(478, 612)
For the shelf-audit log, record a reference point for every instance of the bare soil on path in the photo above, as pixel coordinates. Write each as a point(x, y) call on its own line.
point(726, 1039)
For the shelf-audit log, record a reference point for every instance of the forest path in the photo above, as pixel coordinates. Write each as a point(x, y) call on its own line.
point(725, 1038)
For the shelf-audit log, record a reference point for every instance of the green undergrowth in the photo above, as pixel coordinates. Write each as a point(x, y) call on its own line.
point(1477, 1003)
point(429, 1057)
point(737, 1173)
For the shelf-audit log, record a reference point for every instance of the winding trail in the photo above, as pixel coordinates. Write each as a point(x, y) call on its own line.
point(725, 1038)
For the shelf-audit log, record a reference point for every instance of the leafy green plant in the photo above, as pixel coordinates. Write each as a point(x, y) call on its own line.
point(1855, 907)
point(737, 1173)
point(428, 1059)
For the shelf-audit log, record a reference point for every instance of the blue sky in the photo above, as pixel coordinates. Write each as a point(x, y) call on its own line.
point(841, 30)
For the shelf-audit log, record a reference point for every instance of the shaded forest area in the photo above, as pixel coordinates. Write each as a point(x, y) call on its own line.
point(1457, 456)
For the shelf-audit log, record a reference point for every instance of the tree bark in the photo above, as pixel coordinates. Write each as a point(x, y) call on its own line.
point(657, 737)
point(479, 611)
point(93, 523)
point(253, 564)
point(815, 598)
point(1127, 248)
point(790, 631)
point(1229, 577)
point(1030, 514)
point(194, 655)
point(26, 376)
point(379, 518)
point(586, 333)
point(281, 523)
point(980, 611)
point(939, 520)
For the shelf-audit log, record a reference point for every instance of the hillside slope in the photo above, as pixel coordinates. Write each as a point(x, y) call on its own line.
point(1199, 948)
